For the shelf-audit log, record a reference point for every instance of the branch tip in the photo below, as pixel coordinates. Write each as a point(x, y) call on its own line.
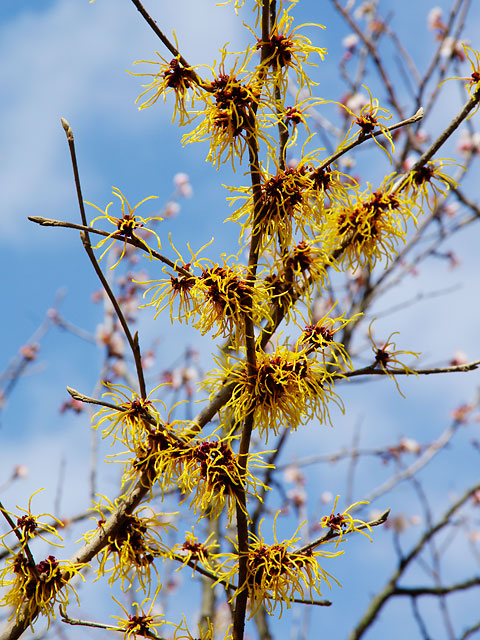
point(67, 128)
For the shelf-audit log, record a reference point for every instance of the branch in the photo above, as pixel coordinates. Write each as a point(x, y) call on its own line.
point(467, 108)
point(389, 590)
point(363, 138)
point(48, 222)
point(90, 549)
point(98, 625)
point(334, 533)
point(436, 591)
point(374, 370)
point(153, 25)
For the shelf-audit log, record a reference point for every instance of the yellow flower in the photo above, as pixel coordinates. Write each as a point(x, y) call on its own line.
point(369, 121)
point(37, 589)
point(193, 551)
point(342, 523)
point(473, 81)
point(367, 227)
point(132, 549)
point(216, 299)
point(29, 526)
point(231, 117)
point(133, 417)
point(161, 455)
point(277, 573)
point(288, 389)
point(319, 337)
point(126, 225)
point(430, 180)
point(289, 205)
point(212, 477)
point(142, 623)
point(171, 77)
point(386, 357)
point(286, 50)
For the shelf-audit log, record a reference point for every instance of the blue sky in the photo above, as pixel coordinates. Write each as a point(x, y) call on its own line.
point(68, 58)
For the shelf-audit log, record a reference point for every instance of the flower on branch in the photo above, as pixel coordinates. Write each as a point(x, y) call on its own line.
point(232, 117)
point(192, 551)
point(286, 50)
point(320, 337)
point(29, 526)
point(142, 622)
point(132, 418)
point(386, 357)
point(291, 203)
point(171, 77)
point(217, 298)
point(35, 590)
point(367, 227)
point(369, 120)
point(288, 389)
point(343, 523)
point(133, 547)
point(430, 180)
point(277, 573)
point(126, 226)
point(212, 477)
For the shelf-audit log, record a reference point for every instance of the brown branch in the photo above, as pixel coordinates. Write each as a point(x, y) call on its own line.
point(98, 625)
point(368, 43)
point(369, 136)
point(333, 533)
point(156, 29)
point(23, 543)
point(48, 222)
point(388, 591)
point(84, 235)
point(467, 108)
point(436, 591)
point(375, 371)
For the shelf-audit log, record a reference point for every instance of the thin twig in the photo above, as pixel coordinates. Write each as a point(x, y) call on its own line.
point(48, 222)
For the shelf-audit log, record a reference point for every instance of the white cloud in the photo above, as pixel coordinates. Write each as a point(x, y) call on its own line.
point(70, 61)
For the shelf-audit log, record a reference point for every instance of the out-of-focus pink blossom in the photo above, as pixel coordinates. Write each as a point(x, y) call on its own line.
point(350, 41)
point(399, 523)
point(20, 471)
point(355, 102)
point(294, 475)
point(462, 413)
point(297, 496)
point(408, 163)
point(29, 351)
point(148, 359)
point(409, 445)
point(182, 182)
point(459, 357)
point(171, 209)
point(326, 497)
point(365, 10)
point(119, 368)
point(452, 48)
point(468, 143)
point(434, 19)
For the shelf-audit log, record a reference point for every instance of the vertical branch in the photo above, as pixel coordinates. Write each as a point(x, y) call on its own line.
point(132, 340)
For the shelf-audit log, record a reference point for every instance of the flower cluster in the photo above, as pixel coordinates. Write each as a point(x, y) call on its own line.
point(36, 589)
point(133, 546)
point(288, 389)
point(278, 573)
